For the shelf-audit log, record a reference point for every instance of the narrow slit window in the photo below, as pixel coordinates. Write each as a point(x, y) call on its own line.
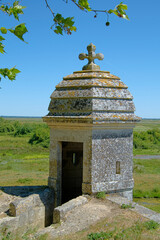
point(74, 159)
point(118, 170)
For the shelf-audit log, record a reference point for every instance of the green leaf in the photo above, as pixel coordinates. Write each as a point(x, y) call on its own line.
point(1, 45)
point(113, 11)
point(63, 24)
point(58, 18)
point(3, 30)
point(73, 28)
point(123, 6)
point(120, 11)
point(84, 4)
point(1, 38)
point(14, 10)
point(19, 31)
point(15, 3)
point(68, 22)
point(10, 73)
point(125, 16)
point(1, 48)
point(58, 30)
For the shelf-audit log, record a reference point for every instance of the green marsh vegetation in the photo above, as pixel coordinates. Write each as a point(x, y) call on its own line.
point(146, 137)
point(136, 231)
point(24, 152)
point(121, 227)
point(146, 174)
point(24, 156)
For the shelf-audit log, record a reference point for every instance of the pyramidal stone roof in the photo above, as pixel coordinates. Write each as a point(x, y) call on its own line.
point(92, 95)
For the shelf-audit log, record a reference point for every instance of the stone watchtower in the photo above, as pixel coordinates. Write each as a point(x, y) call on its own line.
point(91, 119)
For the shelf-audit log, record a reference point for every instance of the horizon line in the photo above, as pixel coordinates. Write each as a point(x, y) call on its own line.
point(42, 116)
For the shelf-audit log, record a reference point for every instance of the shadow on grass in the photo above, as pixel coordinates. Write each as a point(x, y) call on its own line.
point(23, 191)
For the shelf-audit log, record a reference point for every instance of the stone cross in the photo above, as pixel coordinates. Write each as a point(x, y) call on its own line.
point(91, 56)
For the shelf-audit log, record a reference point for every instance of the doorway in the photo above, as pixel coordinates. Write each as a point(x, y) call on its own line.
point(72, 170)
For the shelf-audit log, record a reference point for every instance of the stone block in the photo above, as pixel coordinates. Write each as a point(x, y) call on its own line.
point(9, 223)
point(60, 212)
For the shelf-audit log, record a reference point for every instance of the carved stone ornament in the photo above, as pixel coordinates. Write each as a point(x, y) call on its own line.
point(91, 56)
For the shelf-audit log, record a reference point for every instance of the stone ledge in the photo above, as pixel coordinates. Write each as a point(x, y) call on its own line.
point(60, 212)
point(145, 212)
point(34, 211)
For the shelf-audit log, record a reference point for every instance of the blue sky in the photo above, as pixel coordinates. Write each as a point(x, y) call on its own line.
point(131, 51)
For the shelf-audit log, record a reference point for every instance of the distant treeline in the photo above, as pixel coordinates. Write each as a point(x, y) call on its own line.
point(146, 139)
point(39, 134)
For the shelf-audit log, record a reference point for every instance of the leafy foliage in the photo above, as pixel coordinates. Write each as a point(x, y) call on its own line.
point(126, 206)
point(60, 24)
point(23, 129)
point(147, 139)
point(151, 225)
point(120, 11)
point(133, 232)
point(41, 136)
point(63, 24)
point(19, 31)
point(66, 25)
point(6, 126)
point(15, 10)
point(101, 235)
point(10, 73)
point(154, 193)
point(101, 195)
point(84, 4)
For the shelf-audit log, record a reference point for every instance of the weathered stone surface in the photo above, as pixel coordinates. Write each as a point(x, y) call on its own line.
point(111, 93)
point(87, 83)
point(91, 74)
point(60, 212)
point(145, 212)
point(94, 108)
point(9, 223)
point(90, 93)
point(34, 211)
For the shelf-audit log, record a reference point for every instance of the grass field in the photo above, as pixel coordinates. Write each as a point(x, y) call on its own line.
point(20, 162)
point(24, 164)
point(147, 183)
point(121, 227)
point(146, 124)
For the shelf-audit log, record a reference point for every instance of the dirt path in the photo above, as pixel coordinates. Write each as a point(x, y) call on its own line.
point(84, 216)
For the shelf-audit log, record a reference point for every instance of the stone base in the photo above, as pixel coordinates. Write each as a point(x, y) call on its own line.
point(33, 211)
point(60, 212)
point(127, 194)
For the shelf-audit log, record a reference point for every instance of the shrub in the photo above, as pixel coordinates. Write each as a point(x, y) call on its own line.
point(101, 195)
point(41, 137)
point(6, 126)
point(147, 139)
point(23, 129)
point(154, 193)
point(125, 206)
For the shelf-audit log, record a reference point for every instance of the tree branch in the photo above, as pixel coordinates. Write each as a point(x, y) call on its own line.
point(47, 5)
